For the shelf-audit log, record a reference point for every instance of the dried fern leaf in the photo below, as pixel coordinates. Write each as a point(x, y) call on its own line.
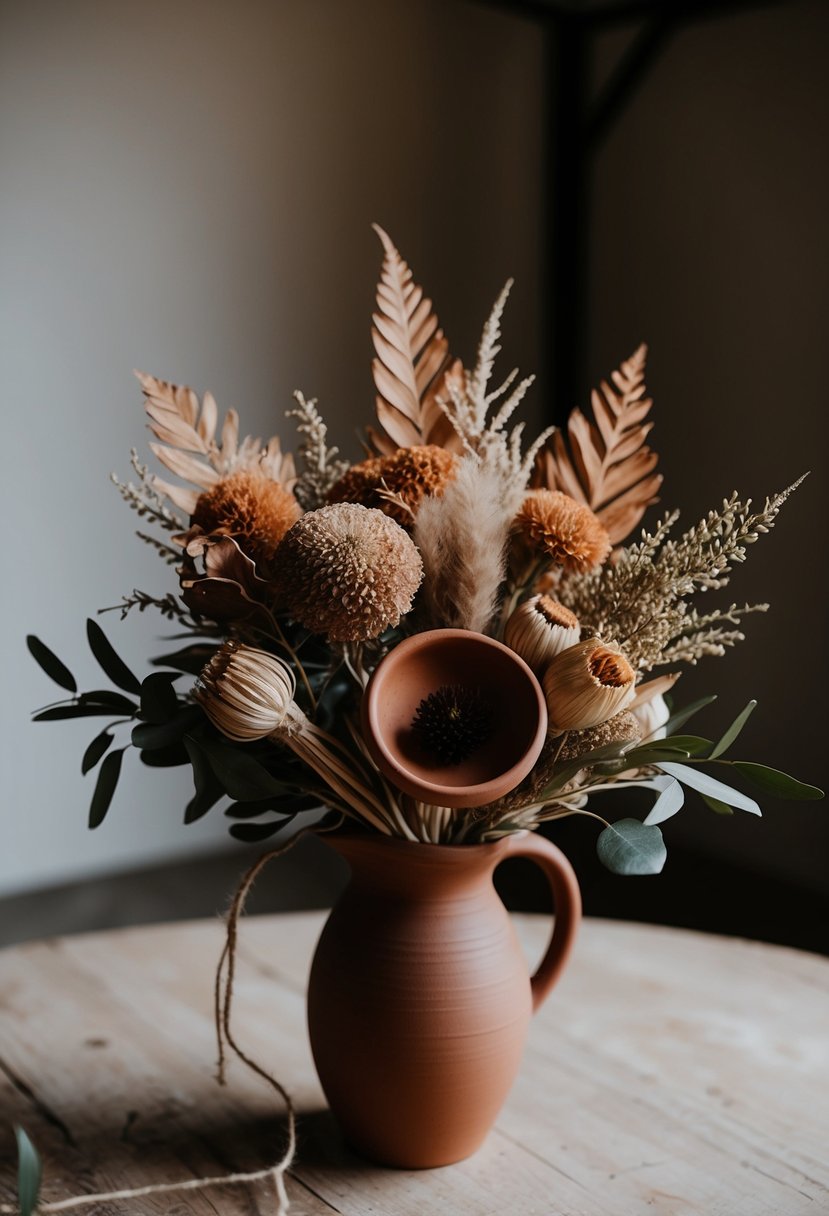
point(186, 431)
point(411, 363)
point(605, 461)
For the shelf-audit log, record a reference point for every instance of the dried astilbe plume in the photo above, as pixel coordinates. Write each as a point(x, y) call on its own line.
point(187, 431)
point(248, 506)
point(398, 483)
point(321, 465)
point(539, 629)
point(347, 571)
point(565, 532)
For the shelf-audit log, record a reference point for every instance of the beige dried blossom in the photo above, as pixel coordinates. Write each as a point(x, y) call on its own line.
point(587, 684)
point(539, 629)
point(621, 728)
point(406, 476)
point(250, 507)
point(248, 694)
point(347, 571)
point(566, 532)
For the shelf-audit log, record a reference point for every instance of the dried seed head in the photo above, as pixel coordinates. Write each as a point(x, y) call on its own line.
point(587, 684)
point(453, 722)
point(539, 629)
point(347, 571)
point(247, 693)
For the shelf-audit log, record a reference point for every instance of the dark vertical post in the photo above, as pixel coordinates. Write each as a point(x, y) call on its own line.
point(566, 212)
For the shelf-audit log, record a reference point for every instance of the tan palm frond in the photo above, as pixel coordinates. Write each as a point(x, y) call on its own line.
point(186, 430)
point(412, 362)
point(605, 462)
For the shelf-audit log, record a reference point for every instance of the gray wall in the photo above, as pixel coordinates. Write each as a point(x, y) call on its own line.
point(188, 189)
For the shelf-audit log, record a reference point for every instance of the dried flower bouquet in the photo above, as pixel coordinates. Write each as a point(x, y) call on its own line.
point(296, 581)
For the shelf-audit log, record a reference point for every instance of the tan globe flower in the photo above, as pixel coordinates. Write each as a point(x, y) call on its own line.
point(539, 629)
point(587, 684)
point(348, 572)
point(250, 507)
point(565, 531)
point(411, 474)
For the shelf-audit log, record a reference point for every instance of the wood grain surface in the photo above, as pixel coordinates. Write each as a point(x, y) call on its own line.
point(670, 1072)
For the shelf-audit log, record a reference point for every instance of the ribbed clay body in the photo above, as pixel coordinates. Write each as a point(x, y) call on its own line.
point(419, 997)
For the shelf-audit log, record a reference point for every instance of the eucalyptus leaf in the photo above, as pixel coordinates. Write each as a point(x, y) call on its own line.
point(779, 785)
point(714, 804)
point(253, 833)
point(190, 660)
point(97, 748)
point(159, 702)
point(670, 800)
point(60, 712)
point(684, 715)
point(704, 784)
point(288, 805)
point(114, 701)
point(173, 756)
point(694, 745)
point(49, 662)
point(631, 847)
point(29, 1174)
point(149, 735)
point(108, 776)
point(733, 731)
point(240, 774)
point(110, 662)
point(208, 789)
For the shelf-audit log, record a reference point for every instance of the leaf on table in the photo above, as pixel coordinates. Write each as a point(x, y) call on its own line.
point(29, 1174)
point(412, 362)
point(605, 461)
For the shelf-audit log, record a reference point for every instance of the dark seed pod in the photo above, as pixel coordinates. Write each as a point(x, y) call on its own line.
point(453, 722)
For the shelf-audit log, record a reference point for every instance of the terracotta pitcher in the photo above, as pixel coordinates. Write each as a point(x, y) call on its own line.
point(420, 998)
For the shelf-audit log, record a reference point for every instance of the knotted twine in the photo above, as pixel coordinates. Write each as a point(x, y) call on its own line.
point(222, 1006)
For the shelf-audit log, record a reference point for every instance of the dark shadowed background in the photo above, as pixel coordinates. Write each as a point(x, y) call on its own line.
point(188, 189)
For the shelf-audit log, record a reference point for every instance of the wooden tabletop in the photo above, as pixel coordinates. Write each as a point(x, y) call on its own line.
point(670, 1072)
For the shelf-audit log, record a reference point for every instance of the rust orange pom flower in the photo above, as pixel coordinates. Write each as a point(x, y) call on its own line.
point(250, 507)
point(410, 474)
point(566, 531)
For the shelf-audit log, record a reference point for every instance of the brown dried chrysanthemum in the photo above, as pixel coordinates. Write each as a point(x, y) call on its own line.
point(409, 473)
point(347, 571)
point(250, 507)
point(566, 531)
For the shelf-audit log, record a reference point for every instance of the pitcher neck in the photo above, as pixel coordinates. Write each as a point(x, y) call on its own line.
point(408, 869)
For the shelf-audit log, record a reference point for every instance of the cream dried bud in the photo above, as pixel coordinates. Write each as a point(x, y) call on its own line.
point(539, 629)
point(587, 684)
point(248, 694)
point(652, 717)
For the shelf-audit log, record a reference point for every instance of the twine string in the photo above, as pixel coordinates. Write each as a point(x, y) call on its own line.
point(223, 1003)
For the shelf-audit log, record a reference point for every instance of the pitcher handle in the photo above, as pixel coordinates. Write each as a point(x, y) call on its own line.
point(567, 900)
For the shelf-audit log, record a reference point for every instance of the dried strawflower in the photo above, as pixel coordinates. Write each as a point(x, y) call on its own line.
point(348, 572)
point(250, 507)
point(539, 629)
point(587, 684)
point(621, 728)
point(398, 483)
point(453, 722)
point(566, 532)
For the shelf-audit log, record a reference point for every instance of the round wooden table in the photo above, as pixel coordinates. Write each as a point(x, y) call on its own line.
point(670, 1072)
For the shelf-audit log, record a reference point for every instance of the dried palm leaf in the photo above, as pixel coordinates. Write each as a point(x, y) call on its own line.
point(186, 431)
point(606, 462)
point(412, 362)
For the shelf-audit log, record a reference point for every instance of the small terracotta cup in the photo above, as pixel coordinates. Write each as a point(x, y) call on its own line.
point(419, 666)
